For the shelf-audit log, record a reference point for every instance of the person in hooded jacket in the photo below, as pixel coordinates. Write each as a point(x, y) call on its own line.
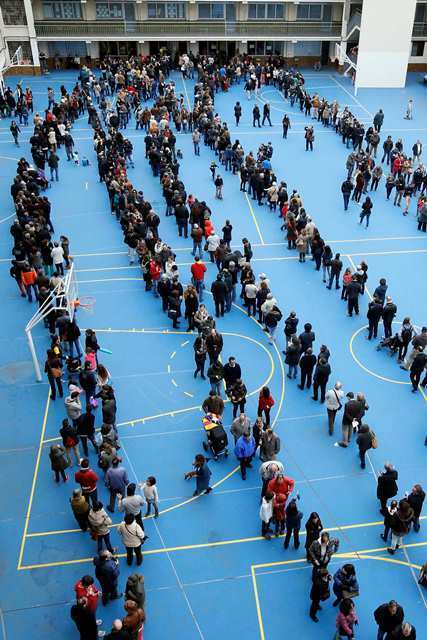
point(84, 619)
point(58, 462)
point(313, 528)
point(135, 589)
point(70, 440)
point(400, 525)
point(320, 591)
point(134, 619)
point(293, 523)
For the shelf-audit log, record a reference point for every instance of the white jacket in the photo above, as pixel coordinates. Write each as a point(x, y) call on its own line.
point(213, 242)
point(266, 510)
point(132, 534)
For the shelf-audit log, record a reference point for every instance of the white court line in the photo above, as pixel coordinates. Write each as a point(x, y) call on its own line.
point(351, 96)
point(8, 217)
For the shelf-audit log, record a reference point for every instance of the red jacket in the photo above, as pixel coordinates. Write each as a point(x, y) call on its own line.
point(281, 486)
point(279, 505)
point(265, 403)
point(86, 479)
point(198, 270)
point(91, 593)
point(155, 270)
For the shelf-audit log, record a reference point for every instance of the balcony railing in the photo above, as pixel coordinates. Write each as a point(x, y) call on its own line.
point(169, 30)
point(420, 29)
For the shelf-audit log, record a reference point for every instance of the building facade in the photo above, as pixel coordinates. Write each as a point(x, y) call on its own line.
point(63, 32)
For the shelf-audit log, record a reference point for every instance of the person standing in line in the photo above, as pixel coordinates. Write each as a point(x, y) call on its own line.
point(333, 399)
point(364, 442)
point(80, 508)
point(292, 357)
point(215, 374)
point(293, 524)
point(135, 589)
point(70, 440)
point(388, 314)
point(238, 393)
point(388, 519)
point(200, 351)
point(99, 524)
point(387, 485)
point(320, 591)
point(58, 462)
point(416, 500)
point(269, 445)
point(388, 616)
point(88, 480)
point(335, 270)
point(307, 363)
point(354, 289)
point(198, 270)
point(53, 370)
point(53, 163)
point(256, 116)
point(57, 254)
point(313, 528)
point(266, 514)
point(346, 190)
point(322, 550)
point(240, 426)
point(132, 503)
point(86, 430)
point(133, 537)
point(320, 379)
point(219, 291)
point(197, 237)
point(418, 365)
point(196, 141)
point(107, 573)
point(84, 619)
point(265, 403)
point(400, 525)
point(404, 631)
point(244, 452)
point(116, 480)
point(374, 314)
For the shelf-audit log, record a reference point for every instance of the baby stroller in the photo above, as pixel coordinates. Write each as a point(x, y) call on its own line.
point(391, 343)
point(216, 438)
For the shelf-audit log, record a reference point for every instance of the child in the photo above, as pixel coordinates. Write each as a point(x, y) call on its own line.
point(76, 158)
point(149, 490)
point(91, 357)
point(279, 504)
point(266, 514)
point(346, 279)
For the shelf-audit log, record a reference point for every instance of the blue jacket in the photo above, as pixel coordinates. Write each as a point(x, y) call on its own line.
point(245, 448)
point(106, 571)
point(344, 582)
point(117, 479)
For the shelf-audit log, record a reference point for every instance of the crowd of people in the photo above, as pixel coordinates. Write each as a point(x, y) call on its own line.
point(38, 267)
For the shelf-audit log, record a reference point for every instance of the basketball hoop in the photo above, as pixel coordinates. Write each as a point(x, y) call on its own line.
point(86, 303)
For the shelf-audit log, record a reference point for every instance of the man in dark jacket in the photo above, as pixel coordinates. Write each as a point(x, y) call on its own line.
point(307, 363)
point(256, 115)
point(389, 313)
point(86, 429)
point(85, 620)
point(107, 573)
point(416, 500)
point(232, 372)
point(320, 379)
point(386, 485)
point(214, 344)
point(219, 291)
point(364, 442)
point(307, 337)
point(354, 289)
point(418, 365)
point(346, 190)
point(388, 616)
point(181, 215)
point(375, 310)
point(336, 267)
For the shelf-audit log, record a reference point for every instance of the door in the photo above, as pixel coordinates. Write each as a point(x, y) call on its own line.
point(324, 58)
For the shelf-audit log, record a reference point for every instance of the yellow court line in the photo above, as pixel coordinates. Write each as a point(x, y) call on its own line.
point(254, 218)
point(257, 604)
point(33, 484)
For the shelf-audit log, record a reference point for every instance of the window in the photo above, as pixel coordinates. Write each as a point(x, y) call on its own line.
point(27, 57)
point(13, 12)
point(64, 49)
point(115, 11)
point(309, 12)
point(263, 11)
point(62, 10)
point(268, 48)
point(420, 12)
point(215, 11)
point(163, 10)
point(417, 49)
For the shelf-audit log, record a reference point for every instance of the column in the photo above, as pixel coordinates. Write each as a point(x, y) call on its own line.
point(385, 42)
point(344, 28)
point(32, 32)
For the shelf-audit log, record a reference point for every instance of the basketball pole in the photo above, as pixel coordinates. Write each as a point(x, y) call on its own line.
point(33, 355)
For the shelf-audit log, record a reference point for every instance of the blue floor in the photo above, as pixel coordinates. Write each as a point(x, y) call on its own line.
point(204, 561)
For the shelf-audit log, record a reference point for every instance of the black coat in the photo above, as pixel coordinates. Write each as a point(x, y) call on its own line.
point(219, 290)
point(85, 621)
point(364, 439)
point(416, 501)
point(385, 620)
point(387, 484)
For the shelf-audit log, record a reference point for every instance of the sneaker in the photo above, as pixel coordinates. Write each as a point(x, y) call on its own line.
point(99, 622)
point(391, 551)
